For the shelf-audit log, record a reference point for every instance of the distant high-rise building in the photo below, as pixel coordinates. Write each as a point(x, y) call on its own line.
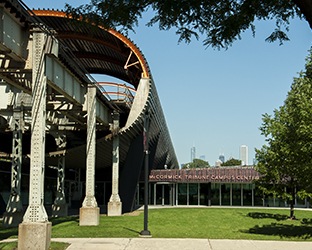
point(202, 157)
point(243, 154)
point(222, 158)
point(192, 153)
point(218, 163)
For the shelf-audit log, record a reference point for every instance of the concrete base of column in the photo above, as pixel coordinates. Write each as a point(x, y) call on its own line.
point(89, 216)
point(60, 210)
point(35, 236)
point(114, 208)
point(12, 219)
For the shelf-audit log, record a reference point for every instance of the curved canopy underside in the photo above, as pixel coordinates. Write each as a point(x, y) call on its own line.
point(98, 50)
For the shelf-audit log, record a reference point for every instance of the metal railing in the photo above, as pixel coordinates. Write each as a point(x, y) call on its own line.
point(120, 93)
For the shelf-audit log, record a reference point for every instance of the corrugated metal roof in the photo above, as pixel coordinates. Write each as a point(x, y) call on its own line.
point(100, 51)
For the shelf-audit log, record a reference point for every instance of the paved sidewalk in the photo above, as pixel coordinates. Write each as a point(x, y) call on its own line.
point(179, 244)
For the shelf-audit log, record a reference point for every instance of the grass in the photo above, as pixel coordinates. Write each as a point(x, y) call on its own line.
point(212, 223)
point(13, 245)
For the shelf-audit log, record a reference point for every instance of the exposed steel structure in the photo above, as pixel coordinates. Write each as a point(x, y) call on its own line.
point(49, 98)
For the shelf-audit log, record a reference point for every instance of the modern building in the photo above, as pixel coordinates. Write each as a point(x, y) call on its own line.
point(214, 186)
point(218, 163)
point(202, 157)
point(243, 155)
point(222, 158)
point(65, 140)
point(193, 153)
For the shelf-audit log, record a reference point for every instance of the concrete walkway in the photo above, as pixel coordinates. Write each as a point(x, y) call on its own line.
point(179, 244)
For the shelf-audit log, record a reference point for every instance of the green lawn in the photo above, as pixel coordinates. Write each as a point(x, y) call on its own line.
point(212, 223)
point(13, 245)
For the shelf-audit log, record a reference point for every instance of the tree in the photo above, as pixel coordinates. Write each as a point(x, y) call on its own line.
point(222, 22)
point(285, 163)
point(197, 163)
point(232, 162)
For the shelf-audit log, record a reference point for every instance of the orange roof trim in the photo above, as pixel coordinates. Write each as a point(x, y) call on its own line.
point(111, 31)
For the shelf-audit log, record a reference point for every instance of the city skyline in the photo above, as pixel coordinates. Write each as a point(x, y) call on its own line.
point(242, 155)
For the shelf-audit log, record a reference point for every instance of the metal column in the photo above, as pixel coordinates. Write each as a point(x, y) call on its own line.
point(36, 211)
point(14, 210)
point(35, 231)
point(114, 204)
point(59, 208)
point(90, 212)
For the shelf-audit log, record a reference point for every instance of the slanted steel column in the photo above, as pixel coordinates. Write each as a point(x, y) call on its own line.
point(14, 210)
point(35, 231)
point(114, 204)
point(90, 212)
point(77, 191)
point(59, 208)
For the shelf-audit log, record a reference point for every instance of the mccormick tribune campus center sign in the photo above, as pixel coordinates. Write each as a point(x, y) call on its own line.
point(222, 174)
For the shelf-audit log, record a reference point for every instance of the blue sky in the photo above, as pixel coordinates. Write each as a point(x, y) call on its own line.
point(215, 99)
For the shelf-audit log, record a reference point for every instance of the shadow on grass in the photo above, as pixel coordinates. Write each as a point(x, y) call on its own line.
point(277, 217)
point(306, 222)
point(129, 229)
point(7, 232)
point(283, 231)
point(58, 220)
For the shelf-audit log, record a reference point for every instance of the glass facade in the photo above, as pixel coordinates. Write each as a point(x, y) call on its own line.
point(204, 194)
point(247, 194)
point(225, 194)
point(236, 194)
point(193, 193)
point(182, 193)
point(214, 194)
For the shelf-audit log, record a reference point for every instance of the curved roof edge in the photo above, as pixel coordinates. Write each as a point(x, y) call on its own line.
point(121, 37)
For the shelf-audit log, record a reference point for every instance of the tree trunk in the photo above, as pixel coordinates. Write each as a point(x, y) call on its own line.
point(292, 211)
point(305, 7)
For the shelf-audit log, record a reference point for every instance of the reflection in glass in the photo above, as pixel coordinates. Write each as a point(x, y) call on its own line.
point(193, 194)
point(225, 194)
point(215, 194)
point(204, 194)
point(236, 194)
point(182, 195)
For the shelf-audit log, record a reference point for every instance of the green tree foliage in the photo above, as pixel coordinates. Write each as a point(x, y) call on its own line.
point(197, 163)
point(221, 22)
point(232, 162)
point(286, 161)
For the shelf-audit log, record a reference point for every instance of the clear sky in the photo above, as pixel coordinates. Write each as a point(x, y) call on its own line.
point(214, 99)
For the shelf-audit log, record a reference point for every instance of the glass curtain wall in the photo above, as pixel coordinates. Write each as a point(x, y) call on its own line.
point(247, 194)
point(204, 193)
point(236, 194)
point(258, 197)
point(215, 194)
point(225, 194)
point(193, 193)
point(182, 193)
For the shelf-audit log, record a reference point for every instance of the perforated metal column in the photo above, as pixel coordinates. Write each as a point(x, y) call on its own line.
point(14, 210)
point(115, 176)
point(90, 200)
point(36, 211)
point(60, 194)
